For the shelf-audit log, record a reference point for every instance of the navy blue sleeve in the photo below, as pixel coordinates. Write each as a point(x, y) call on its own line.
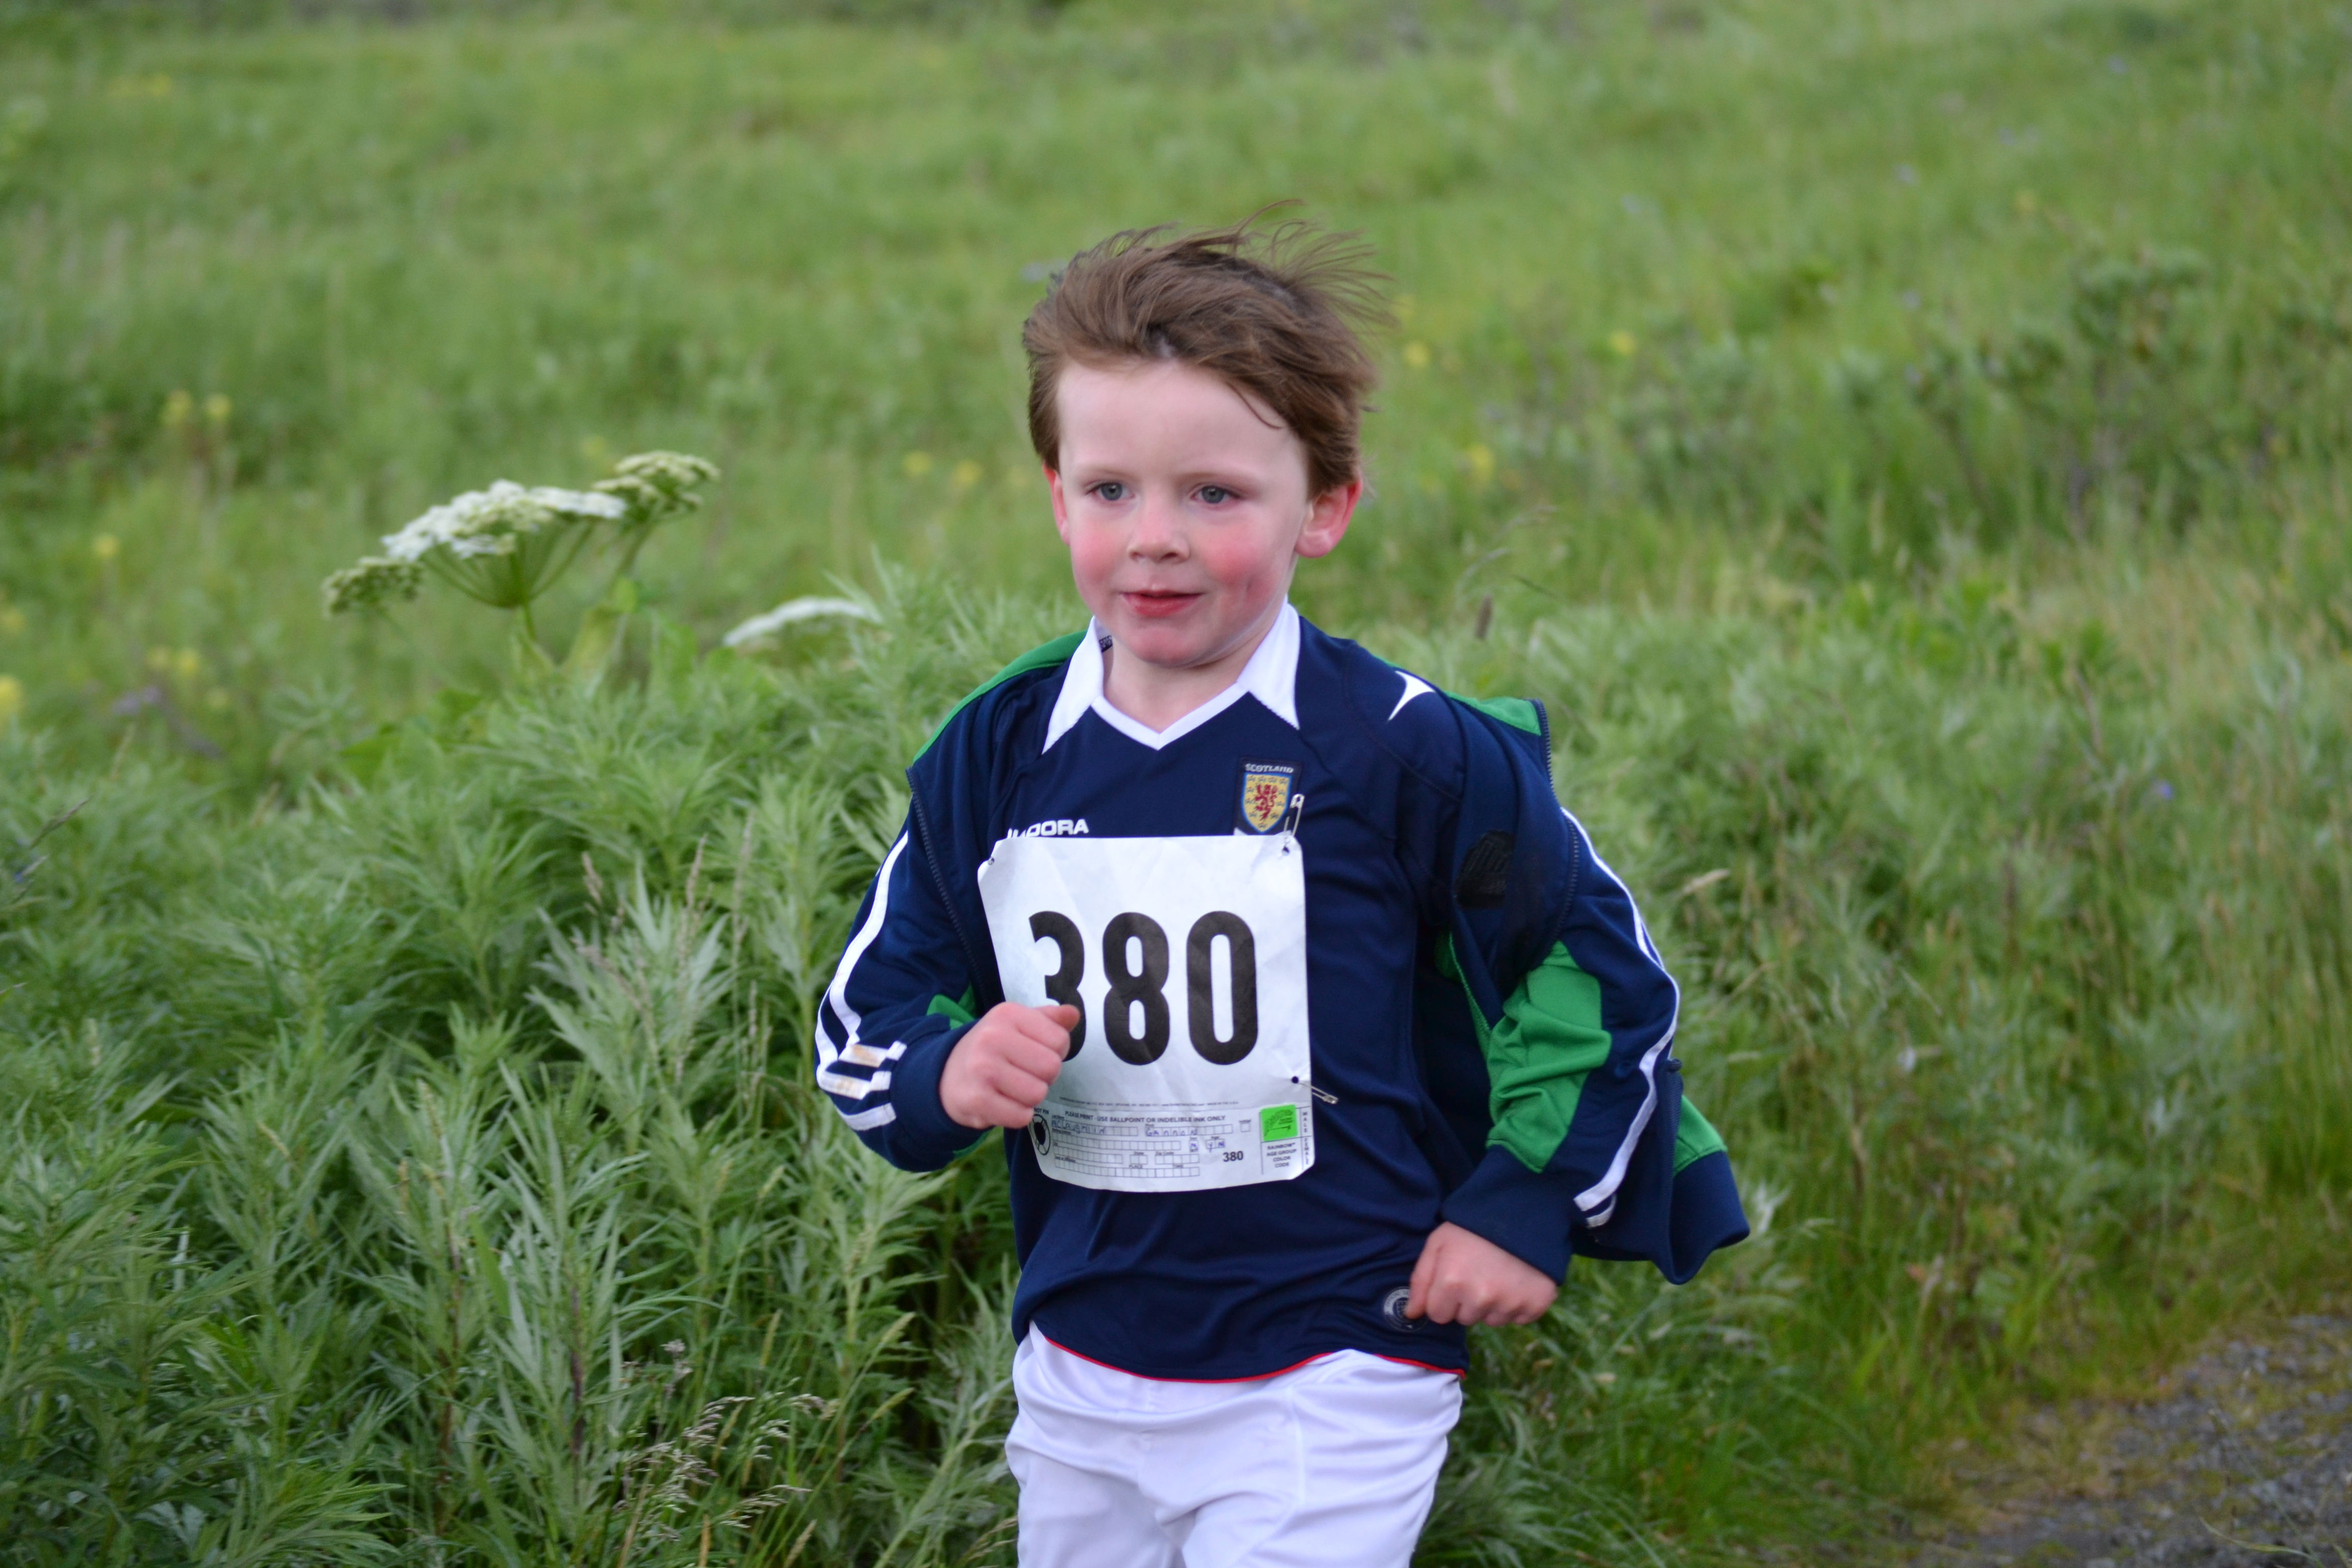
point(893, 1013)
point(1575, 1056)
point(1508, 885)
point(1570, 1015)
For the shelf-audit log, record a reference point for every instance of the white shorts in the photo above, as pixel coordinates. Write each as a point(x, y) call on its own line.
point(1330, 1465)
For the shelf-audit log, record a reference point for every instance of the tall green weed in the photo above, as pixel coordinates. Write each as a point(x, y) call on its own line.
point(430, 1161)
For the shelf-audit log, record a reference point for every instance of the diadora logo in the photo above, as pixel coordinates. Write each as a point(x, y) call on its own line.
point(1060, 827)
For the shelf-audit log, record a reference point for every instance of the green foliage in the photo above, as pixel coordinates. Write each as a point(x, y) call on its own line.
point(432, 1164)
point(458, 1197)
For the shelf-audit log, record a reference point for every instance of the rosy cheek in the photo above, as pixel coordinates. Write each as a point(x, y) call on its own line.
point(1231, 562)
point(1092, 556)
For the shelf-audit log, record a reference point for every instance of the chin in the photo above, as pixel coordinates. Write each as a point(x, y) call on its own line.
point(1156, 642)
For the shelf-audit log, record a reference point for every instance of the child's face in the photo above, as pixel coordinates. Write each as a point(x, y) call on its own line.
point(1185, 508)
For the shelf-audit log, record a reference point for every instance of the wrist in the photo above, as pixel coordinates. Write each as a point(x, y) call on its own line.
point(1525, 1213)
point(916, 1094)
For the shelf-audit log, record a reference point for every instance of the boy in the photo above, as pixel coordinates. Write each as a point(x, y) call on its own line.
point(1318, 1028)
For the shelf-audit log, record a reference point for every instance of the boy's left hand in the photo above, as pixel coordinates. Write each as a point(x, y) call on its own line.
point(1463, 1277)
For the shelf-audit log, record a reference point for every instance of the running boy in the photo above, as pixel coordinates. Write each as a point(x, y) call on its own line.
point(1319, 1029)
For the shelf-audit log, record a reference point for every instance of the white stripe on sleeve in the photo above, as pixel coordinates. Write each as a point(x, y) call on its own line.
point(1599, 1201)
point(853, 1051)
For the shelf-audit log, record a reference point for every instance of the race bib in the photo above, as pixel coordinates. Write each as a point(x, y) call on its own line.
point(1186, 959)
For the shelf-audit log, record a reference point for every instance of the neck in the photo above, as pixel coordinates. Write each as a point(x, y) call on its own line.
point(1156, 696)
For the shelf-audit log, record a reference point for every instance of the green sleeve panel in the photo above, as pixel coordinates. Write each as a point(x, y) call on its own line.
point(955, 1010)
point(1696, 1137)
point(1550, 1038)
point(1039, 657)
point(1516, 712)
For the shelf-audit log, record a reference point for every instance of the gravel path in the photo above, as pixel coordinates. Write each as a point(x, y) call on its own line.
point(2242, 1457)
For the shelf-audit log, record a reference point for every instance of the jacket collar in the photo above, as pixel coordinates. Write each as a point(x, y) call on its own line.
point(1271, 676)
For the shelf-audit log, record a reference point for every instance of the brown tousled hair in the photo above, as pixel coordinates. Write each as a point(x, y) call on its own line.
point(1274, 312)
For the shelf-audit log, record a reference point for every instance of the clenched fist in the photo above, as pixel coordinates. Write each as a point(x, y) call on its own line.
point(1463, 1277)
point(999, 1071)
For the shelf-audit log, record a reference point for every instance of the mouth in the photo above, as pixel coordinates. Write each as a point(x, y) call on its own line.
point(1157, 604)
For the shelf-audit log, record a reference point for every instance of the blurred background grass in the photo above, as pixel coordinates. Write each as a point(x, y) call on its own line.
point(1905, 444)
point(1697, 300)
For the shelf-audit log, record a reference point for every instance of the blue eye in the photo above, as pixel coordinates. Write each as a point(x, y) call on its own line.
point(1215, 495)
point(1110, 489)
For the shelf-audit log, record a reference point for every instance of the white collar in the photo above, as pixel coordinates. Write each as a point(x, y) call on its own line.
point(1271, 676)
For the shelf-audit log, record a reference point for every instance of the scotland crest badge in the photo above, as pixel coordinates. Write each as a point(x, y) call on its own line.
point(1265, 792)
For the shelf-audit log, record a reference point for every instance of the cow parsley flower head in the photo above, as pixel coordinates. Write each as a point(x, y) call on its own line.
point(376, 580)
point(486, 522)
point(505, 545)
point(657, 485)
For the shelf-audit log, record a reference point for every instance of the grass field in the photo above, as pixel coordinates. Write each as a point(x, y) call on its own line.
point(1905, 444)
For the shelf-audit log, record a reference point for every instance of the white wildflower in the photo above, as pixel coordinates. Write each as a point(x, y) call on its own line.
point(657, 485)
point(579, 504)
point(374, 581)
point(421, 535)
point(505, 545)
point(793, 612)
point(475, 523)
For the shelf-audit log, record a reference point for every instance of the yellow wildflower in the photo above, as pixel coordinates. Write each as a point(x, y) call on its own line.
point(178, 408)
point(105, 547)
point(216, 410)
point(967, 474)
point(12, 697)
point(916, 464)
point(1416, 355)
point(1622, 343)
point(188, 663)
point(1481, 459)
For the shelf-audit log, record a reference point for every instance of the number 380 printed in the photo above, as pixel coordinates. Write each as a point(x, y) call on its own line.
point(1140, 988)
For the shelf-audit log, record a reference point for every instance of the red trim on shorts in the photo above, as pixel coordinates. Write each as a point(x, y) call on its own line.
point(1254, 1377)
point(1408, 1361)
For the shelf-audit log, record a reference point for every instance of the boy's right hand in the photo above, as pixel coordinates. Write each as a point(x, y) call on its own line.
point(999, 1072)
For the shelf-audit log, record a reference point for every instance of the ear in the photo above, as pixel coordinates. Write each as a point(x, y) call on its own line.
point(1061, 504)
point(1328, 519)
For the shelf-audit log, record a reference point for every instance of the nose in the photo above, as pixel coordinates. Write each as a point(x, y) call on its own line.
point(1158, 530)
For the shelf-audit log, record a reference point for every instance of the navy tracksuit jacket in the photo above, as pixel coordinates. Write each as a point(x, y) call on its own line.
point(1490, 1024)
